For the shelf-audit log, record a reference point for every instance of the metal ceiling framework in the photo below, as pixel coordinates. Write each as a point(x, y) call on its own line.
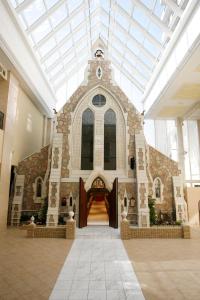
point(62, 32)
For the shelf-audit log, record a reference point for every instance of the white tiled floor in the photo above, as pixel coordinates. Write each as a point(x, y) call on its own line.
point(97, 268)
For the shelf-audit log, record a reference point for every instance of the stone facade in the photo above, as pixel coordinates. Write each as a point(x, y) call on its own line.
point(135, 182)
point(29, 169)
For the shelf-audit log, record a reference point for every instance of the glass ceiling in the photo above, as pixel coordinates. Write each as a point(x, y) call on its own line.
point(62, 32)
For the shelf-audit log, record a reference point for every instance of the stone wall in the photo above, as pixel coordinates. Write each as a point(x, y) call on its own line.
point(165, 168)
point(33, 166)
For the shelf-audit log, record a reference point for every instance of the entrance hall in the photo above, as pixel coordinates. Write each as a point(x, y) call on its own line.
point(98, 211)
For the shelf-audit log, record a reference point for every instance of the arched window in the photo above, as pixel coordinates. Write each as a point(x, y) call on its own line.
point(39, 188)
point(87, 140)
point(110, 140)
point(158, 189)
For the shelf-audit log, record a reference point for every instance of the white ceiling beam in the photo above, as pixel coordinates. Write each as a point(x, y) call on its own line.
point(135, 24)
point(23, 5)
point(176, 9)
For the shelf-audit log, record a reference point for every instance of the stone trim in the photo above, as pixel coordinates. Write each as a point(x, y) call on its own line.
point(181, 205)
point(17, 201)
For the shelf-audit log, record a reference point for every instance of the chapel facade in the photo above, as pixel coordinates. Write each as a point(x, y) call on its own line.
point(98, 149)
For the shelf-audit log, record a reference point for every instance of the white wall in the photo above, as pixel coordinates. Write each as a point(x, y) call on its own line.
point(28, 130)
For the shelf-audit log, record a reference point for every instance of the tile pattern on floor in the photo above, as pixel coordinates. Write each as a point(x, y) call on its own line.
point(97, 268)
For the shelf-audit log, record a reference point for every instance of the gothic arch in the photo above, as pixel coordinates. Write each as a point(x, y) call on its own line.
point(93, 176)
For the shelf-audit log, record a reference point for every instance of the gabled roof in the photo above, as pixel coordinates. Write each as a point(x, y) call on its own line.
point(62, 34)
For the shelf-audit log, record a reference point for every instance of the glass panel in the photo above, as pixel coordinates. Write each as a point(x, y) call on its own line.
point(35, 10)
point(41, 31)
point(59, 15)
point(77, 20)
point(73, 4)
point(50, 3)
point(62, 33)
point(110, 140)
point(49, 45)
point(51, 59)
point(126, 5)
point(87, 140)
point(140, 17)
point(99, 100)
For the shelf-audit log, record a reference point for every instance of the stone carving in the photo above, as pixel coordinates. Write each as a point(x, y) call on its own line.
point(55, 157)
point(178, 191)
point(18, 190)
point(140, 159)
point(142, 191)
point(53, 194)
point(98, 183)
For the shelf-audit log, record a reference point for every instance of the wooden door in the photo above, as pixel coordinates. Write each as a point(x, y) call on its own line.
point(113, 205)
point(82, 204)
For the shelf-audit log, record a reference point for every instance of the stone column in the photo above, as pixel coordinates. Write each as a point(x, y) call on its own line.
point(142, 181)
point(181, 206)
point(181, 159)
point(99, 142)
point(54, 180)
point(17, 201)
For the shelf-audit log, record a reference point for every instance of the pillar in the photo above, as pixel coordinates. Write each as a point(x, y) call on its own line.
point(142, 181)
point(181, 153)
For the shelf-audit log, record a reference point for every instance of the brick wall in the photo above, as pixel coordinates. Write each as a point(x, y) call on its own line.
point(160, 232)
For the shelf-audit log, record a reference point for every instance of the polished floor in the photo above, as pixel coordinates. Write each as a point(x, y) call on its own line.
point(165, 269)
point(98, 214)
point(97, 268)
point(29, 267)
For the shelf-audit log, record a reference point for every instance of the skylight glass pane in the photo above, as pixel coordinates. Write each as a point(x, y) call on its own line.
point(59, 15)
point(81, 45)
point(143, 70)
point(118, 46)
point(56, 70)
point(120, 35)
point(49, 45)
point(105, 19)
point(133, 48)
point(105, 4)
point(62, 33)
point(137, 34)
point(151, 48)
point(130, 59)
point(41, 31)
point(77, 20)
point(79, 34)
point(159, 9)
point(122, 21)
point(14, 3)
point(146, 60)
point(51, 59)
point(35, 10)
point(155, 31)
point(126, 5)
point(66, 46)
point(128, 68)
point(73, 4)
point(50, 3)
point(140, 17)
point(148, 3)
point(69, 57)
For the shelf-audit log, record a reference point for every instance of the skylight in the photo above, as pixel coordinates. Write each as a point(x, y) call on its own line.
point(61, 34)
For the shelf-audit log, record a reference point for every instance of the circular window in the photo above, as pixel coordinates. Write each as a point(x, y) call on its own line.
point(99, 100)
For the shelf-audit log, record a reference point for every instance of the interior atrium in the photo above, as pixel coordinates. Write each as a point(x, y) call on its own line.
point(99, 149)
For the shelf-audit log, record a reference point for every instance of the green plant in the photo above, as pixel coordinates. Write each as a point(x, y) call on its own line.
point(152, 211)
point(178, 222)
point(42, 214)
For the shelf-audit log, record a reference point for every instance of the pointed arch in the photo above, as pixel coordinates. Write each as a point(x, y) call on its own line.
point(110, 140)
point(87, 140)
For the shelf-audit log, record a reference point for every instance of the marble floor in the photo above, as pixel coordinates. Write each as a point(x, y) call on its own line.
point(97, 268)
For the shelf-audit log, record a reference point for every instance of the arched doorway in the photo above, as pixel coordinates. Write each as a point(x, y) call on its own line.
point(98, 206)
